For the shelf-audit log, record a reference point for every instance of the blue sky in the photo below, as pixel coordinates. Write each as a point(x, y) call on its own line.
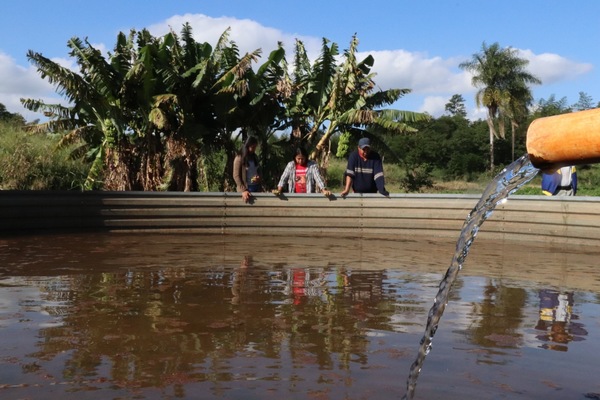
point(416, 44)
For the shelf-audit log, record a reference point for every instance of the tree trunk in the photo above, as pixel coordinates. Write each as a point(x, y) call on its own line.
point(228, 185)
point(501, 128)
point(490, 123)
point(513, 129)
point(323, 146)
point(122, 172)
point(182, 167)
point(117, 174)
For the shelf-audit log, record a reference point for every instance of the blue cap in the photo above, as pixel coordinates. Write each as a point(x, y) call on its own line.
point(364, 142)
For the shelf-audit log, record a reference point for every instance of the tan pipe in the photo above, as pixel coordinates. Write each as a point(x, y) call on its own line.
point(565, 139)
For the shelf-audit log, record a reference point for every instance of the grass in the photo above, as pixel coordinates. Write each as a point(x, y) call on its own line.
point(35, 162)
point(588, 181)
point(394, 175)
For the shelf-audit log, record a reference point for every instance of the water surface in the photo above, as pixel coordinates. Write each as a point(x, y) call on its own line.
point(155, 316)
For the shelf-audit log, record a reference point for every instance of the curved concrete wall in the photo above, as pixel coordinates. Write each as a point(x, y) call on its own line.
point(521, 218)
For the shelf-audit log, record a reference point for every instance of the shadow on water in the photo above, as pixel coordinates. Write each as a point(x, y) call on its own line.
point(155, 316)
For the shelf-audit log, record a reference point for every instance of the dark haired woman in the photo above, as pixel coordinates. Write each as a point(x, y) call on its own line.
point(301, 175)
point(246, 170)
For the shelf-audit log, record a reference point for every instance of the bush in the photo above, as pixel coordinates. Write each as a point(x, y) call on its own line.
point(417, 178)
point(465, 166)
point(34, 162)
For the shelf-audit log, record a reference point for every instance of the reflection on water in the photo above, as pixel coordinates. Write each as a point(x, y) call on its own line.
point(99, 316)
point(557, 324)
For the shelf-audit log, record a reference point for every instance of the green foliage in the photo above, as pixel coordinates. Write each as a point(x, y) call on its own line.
point(337, 95)
point(448, 144)
point(36, 162)
point(585, 102)
point(503, 88)
point(7, 117)
point(550, 106)
point(211, 167)
point(335, 173)
point(168, 113)
point(417, 178)
point(160, 106)
point(344, 145)
point(456, 106)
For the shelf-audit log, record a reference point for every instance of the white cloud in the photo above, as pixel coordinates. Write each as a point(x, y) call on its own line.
point(17, 78)
point(551, 68)
point(477, 113)
point(432, 79)
point(416, 71)
point(434, 105)
point(247, 34)
point(18, 82)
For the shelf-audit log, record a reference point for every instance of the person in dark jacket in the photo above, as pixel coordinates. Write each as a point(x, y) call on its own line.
point(246, 170)
point(364, 173)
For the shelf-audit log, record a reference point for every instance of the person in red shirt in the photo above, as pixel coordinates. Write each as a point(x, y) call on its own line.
point(301, 176)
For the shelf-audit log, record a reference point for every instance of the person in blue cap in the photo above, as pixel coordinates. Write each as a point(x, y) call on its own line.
point(364, 173)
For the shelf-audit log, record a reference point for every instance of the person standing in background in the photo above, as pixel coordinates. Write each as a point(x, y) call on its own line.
point(364, 173)
point(246, 170)
point(563, 182)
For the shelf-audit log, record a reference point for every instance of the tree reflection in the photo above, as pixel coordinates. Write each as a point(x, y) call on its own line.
point(173, 325)
point(498, 317)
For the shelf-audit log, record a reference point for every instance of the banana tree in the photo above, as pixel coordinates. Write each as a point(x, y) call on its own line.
point(95, 114)
point(256, 108)
point(328, 98)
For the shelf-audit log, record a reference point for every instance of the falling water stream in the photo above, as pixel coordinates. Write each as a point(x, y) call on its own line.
point(506, 182)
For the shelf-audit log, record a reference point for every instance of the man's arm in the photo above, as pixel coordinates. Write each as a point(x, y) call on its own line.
point(349, 174)
point(347, 187)
point(379, 177)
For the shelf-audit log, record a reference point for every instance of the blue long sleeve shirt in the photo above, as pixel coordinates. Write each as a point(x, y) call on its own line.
point(553, 183)
point(367, 175)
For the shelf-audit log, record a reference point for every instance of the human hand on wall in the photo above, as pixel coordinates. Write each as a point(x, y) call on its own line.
point(246, 196)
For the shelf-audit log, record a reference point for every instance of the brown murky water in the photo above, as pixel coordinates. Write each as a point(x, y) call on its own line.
point(155, 316)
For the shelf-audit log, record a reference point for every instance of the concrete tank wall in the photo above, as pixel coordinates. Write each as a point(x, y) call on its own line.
point(521, 218)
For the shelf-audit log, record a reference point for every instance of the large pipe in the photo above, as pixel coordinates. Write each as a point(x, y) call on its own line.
point(565, 139)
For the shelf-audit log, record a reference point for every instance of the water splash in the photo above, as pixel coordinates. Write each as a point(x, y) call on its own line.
point(506, 182)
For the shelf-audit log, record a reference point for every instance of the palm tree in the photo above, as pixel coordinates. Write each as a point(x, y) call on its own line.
point(517, 110)
point(503, 83)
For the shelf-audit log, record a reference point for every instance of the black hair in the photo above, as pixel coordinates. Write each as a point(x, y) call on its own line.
point(244, 151)
point(301, 151)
